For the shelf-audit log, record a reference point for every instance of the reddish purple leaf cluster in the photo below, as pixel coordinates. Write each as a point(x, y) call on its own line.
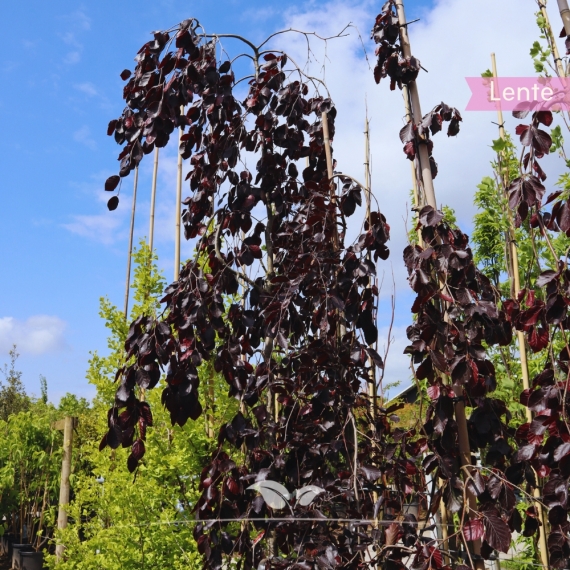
point(391, 61)
point(413, 135)
point(457, 318)
point(298, 350)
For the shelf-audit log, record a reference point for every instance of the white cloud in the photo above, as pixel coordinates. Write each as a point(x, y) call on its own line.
point(38, 334)
point(453, 41)
point(104, 228)
point(72, 57)
point(80, 23)
point(87, 88)
point(450, 52)
point(70, 39)
point(83, 136)
point(79, 19)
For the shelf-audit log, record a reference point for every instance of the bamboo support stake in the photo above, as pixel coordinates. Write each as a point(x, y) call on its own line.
point(330, 173)
point(153, 200)
point(367, 191)
point(565, 15)
point(67, 425)
point(515, 274)
point(129, 259)
point(416, 111)
point(443, 515)
point(429, 193)
point(178, 208)
point(551, 39)
point(326, 138)
point(418, 202)
point(513, 257)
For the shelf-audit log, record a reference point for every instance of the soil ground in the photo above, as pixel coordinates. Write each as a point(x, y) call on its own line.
point(5, 564)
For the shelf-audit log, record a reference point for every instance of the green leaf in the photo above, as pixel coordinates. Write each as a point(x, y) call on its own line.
point(499, 145)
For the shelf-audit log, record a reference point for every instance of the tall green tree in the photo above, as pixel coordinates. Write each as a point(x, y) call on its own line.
point(113, 523)
point(13, 397)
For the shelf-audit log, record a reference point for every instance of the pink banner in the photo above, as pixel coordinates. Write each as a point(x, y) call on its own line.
point(518, 93)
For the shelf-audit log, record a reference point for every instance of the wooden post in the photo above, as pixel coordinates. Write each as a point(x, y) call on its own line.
point(551, 39)
point(367, 192)
point(514, 269)
point(416, 110)
point(153, 200)
point(418, 202)
point(565, 15)
point(330, 173)
point(67, 425)
point(514, 272)
point(325, 123)
point(429, 193)
point(341, 329)
point(129, 259)
point(178, 207)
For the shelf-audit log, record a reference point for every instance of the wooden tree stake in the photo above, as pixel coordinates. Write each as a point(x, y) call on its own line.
point(67, 425)
point(516, 287)
point(129, 259)
point(367, 191)
point(551, 39)
point(514, 259)
point(153, 200)
point(418, 201)
point(565, 15)
point(416, 111)
point(429, 193)
point(328, 152)
point(178, 208)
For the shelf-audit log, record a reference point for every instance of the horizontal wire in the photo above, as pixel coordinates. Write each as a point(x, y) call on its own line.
point(356, 521)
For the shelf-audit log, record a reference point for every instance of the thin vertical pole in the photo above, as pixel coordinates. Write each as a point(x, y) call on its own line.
point(418, 202)
point(341, 330)
point(372, 391)
point(514, 270)
point(328, 155)
point(178, 207)
point(68, 424)
point(367, 191)
point(153, 200)
point(514, 256)
point(129, 258)
point(565, 15)
point(425, 166)
point(429, 193)
point(551, 39)
point(367, 180)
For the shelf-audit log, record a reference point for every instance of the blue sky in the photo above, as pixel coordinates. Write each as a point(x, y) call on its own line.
point(61, 250)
